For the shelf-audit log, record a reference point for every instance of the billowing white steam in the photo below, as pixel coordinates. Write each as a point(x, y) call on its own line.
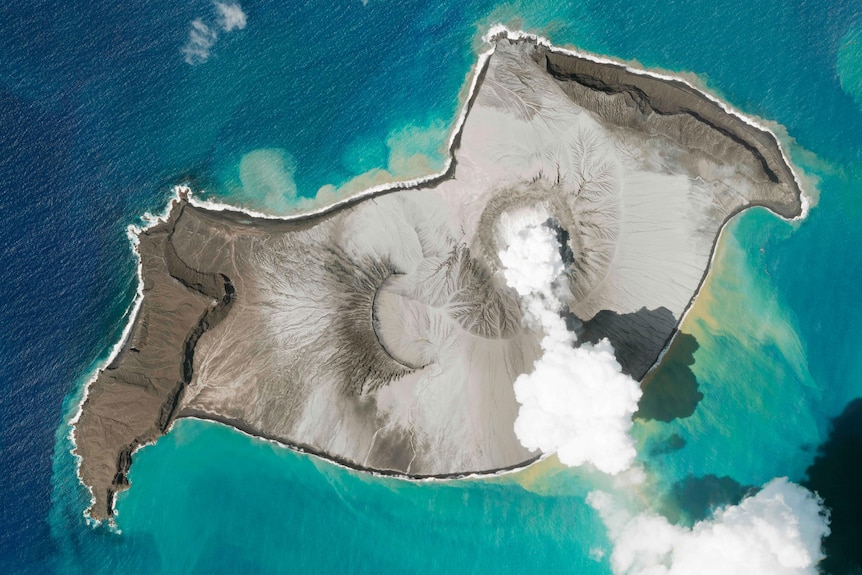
point(576, 402)
point(775, 532)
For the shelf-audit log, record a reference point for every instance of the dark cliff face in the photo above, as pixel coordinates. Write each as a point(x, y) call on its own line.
point(675, 98)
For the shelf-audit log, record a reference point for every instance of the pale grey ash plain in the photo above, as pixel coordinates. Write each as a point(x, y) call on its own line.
point(381, 334)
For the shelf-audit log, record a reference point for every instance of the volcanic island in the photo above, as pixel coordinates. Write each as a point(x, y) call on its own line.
point(380, 332)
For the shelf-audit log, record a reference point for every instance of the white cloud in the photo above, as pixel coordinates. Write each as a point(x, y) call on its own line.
point(231, 16)
point(201, 39)
point(202, 35)
point(778, 531)
point(576, 402)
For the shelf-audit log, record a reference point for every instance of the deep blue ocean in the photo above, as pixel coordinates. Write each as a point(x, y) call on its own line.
point(102, 111)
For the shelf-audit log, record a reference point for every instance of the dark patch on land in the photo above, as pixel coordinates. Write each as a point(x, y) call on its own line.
point(638, 338)
point(836, 476)
point(671, 391)
point(563, 239)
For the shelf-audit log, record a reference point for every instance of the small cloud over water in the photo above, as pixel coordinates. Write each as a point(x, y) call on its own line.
point(231, 16)
point(201, 39)
point(203, 35)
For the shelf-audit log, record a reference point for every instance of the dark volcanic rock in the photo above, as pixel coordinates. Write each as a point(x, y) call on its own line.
point(638, 338)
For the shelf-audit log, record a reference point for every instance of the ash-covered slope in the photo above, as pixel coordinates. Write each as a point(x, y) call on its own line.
point(381, 333)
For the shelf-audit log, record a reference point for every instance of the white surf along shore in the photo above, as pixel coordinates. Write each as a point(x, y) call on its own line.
point(495, 33)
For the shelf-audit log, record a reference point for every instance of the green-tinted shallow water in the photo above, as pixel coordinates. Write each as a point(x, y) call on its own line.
point(758, 394)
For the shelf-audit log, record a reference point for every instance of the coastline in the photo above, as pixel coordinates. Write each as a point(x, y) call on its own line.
point(182, 193)
point(132, 232)
point(500, 32)
point(200, 415)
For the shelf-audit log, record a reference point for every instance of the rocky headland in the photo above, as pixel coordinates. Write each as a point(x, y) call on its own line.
point(380, 333)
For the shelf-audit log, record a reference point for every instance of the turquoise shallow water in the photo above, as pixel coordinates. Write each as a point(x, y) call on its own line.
point(329, 92)
point(295, 513)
